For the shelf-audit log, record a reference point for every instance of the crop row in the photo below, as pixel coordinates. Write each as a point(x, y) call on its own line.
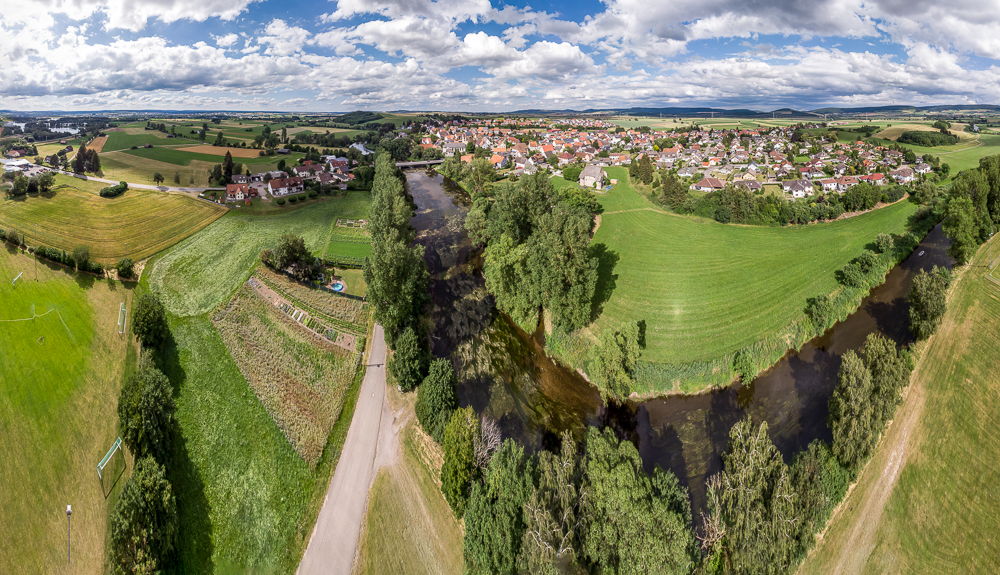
point(327, 305)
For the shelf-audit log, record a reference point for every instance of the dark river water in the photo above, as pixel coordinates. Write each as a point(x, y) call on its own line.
point(504, 372)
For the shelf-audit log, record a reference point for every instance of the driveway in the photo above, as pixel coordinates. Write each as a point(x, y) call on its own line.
point(335, 537)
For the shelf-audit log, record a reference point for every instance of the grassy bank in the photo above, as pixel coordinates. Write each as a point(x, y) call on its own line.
point(927, 501)
point(707, 290)
point(73, 214)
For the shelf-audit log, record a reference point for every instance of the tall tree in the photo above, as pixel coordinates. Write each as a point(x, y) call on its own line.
point(227, 166)
point(437, 398)
point(95, 161)
point(755, 502)
point(645, 169)
point(889, 372)
point(149, 323)
point(928, 301)
point(494, 520)
point(146, 411)
point(80, 161)
point(459, 458)
point(960, 226)
point(852, 413)
point(409, 362)
point(144, 521)
point(634, 523)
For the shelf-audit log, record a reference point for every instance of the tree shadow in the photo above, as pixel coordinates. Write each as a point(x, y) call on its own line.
point(194, 547)
point(86, 281)
point(607, 280)
point(892, 318)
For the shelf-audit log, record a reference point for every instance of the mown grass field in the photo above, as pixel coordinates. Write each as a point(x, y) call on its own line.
point(136, 135)
point(348, 249)
point(409, 527)
point(73, 214)
point(193, 169)
point(181, 157)
point(202, 271)
point(707, 289)
point(57, 413)
point(940, 516)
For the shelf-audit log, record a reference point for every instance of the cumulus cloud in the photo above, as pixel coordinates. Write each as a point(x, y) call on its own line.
point(225, 41)
point(134, 14)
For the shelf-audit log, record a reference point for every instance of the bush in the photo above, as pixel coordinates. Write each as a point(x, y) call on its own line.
point(149, 323)
point(14, 237)
point(459, 458)
point(409, 362)
point(146, 411)
point(884, 242)
point(125, 268)
point(313, 194)
point(81, 255)
point(302, 198)
point(114, 191)
point(280, 201)
point(293, 199)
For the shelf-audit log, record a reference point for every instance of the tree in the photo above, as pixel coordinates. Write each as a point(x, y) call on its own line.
point(227, 166)
point(95, 161)
point(884, 242)
point(292, 254)
point(822, 311)
point(459, 458)
point(149, 323)
point(144, 521)
point(125, 268)
point(177, 177)
point(146, 411)
point(494, 523)
point(645, 170)
point(755, 502)
point(889, 373)
point(45, 182)
point(81, 255)
point(158, 178)
point(437, 398)
point(572, 173)
point(960, 226)
point(80, 161)
point(215, 175)
point(928, 301)
point(634, 523)
point(617, 355)
point(852, 415)
point(19, 187)
point(409, 362)
point(554, 514)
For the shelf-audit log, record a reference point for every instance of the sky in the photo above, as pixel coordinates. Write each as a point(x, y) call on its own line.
point(490, 56)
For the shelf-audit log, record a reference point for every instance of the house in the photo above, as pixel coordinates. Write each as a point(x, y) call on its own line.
point(452, 148)
point(285, 186)
point(237, 192)
point(829, 184)
point(798, 188)
point(498, 161)
point(873, 179)
point(304, 171)
point(566, 158)
point(922, 168)
point(686, 172)
point(708, 185)
point(750, 185)
point(283, 151)
point(845, 183)
point(592, 176)
point(903, 175)
point(240, 179)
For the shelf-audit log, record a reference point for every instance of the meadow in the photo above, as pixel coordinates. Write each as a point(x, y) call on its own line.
point(409, 527)
point(73, 214)
point(300, 380)
point(707, 289)
point(193, 169)
point(61, 374)
point(137, 135)
point(927, 501)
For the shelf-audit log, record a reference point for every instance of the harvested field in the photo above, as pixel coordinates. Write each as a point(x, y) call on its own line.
point(98, 144)
point(74, 215)
point(220, 151)
point(896, 130)
point(300, 380)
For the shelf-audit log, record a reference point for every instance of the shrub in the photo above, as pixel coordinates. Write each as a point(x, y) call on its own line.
point(302, 198)
point(81, 255)
point(884, 242)
point(853, 276)
point(14, 237)
point(281, 201)
point(409, 362)
point(125, 268)
point(313, 194)
point(744, 367)
point(149, 323)
point(114, 191)
point(293, 199)
point(459, 458)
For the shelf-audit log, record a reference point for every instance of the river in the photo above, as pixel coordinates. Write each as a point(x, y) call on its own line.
point(505, 374)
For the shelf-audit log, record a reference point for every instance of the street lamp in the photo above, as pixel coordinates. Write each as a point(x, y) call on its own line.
point(69, 511)
point(36, 252)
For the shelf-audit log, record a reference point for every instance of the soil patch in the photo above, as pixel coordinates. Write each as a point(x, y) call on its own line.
point(220, 151)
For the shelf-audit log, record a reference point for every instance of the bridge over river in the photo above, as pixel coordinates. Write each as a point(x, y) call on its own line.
point(418, 164)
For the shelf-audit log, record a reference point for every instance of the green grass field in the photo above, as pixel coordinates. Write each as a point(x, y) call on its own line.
point(202, 271)
point(57, 412)
point(706, 289)
point(940, 516)
point(348, 249)
point(139, 165)
point(75, 215)
point(181, 158)
point(409, 527)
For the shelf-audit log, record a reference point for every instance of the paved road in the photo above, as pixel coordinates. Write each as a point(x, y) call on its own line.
point(335, 536)
point(139, 186)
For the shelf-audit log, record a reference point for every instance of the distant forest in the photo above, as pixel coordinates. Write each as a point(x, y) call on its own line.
point(928, 139)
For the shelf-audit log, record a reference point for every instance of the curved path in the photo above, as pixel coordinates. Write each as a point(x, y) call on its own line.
point(334, 539)
point(137, 186)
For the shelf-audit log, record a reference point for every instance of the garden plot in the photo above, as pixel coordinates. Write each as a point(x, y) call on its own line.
point(348, 341)
point(300, 380)
point(344, 312)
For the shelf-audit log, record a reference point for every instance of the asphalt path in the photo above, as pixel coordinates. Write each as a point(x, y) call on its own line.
point(334, 539)
point(139, 186)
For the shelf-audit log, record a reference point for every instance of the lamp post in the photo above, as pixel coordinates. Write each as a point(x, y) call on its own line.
point(69, 511)
point(36, 252)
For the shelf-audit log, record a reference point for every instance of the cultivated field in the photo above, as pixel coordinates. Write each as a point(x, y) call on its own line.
point(73, 214)
point(98, 144)
point(342, 310)
point(140, 165)
point(137, 135)
point(928, 500)
point(201, 272)
point(60, 374)
point(706, 289)
point(300, 380)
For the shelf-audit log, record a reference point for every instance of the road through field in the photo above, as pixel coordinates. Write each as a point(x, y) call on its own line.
point(335, 537)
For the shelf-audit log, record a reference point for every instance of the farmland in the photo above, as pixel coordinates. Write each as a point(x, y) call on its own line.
point(300, 381)
point(927, 501)
point(136, 135)
point(61, 374)
point(140, 165)
point(73, 214)
point(707, 289)
point(201, 272)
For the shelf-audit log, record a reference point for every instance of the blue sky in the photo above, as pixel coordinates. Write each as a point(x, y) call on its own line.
point(478, 55)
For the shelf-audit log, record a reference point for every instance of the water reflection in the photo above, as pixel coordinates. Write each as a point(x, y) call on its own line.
point(504, 372)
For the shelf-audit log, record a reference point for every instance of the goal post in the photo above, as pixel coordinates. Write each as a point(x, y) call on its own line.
point(14, 281)
point(111, 467)
point(122, 318)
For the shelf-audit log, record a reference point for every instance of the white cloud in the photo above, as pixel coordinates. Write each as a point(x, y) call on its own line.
point(225, 41)
point(283, 40)
point(134, 14)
